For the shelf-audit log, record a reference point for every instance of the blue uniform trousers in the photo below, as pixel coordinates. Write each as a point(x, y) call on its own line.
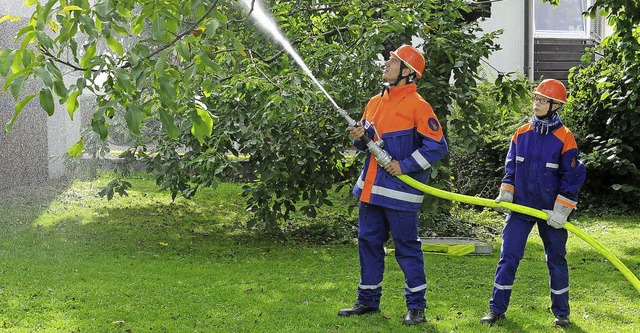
point(374, 223)
point(514, 239)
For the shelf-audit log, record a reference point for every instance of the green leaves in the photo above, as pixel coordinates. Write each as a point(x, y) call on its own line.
point(115, 186)
point(148, 88)
point(158, 29)
point(169, 123)
point(10, 18)
point(6, 60)
point(100, 125)
point(16, 85)
point(19, 108)
point(90, 52)
point(44, 40)
point(69, 9)
point(76, 149)
point(202, 124)
point(115, 46)
point(72, 103)
point(133, 117)
point(46, 101)
point(603, 109)
point(167, 91)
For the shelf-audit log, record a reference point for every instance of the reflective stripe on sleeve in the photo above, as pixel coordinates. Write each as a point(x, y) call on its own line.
point(424, 164)
point(552, 165)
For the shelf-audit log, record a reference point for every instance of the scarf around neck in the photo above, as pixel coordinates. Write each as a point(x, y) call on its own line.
point(546, 126)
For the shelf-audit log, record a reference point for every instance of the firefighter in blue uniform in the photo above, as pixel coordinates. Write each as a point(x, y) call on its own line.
point(413, 137)
point(543, 172)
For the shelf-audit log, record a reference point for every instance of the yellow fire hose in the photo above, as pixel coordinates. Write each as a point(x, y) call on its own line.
point(528, 211)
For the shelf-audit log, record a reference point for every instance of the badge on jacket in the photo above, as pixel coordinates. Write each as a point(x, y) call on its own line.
point(433, 124)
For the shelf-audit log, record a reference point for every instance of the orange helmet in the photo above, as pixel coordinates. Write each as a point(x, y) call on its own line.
point(553, 89)
point(411, 57)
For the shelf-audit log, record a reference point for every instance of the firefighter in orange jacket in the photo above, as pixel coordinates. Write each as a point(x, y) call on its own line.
point(542, 172)
point(413, 137)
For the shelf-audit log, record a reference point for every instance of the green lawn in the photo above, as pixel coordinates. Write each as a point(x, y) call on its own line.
point(74, 262)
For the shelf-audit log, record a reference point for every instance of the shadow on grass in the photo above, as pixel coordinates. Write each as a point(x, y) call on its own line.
point(24, 203)
point(147, 263)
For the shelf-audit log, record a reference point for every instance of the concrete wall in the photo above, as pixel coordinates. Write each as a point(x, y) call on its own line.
point(37, 147)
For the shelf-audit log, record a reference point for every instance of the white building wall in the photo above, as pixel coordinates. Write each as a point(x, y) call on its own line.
point(509, 16)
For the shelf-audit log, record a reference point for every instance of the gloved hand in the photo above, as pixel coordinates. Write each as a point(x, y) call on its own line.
point(506, 193)
point(561, 210)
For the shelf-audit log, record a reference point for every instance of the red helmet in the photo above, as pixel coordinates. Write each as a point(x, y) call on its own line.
point(411, 57)
point(553, 89)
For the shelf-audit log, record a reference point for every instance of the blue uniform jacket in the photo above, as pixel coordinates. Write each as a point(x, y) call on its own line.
point(542, 164)
point(412, 135)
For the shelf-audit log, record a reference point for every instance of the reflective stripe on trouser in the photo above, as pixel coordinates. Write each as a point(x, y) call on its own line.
point(374, 225)
point(514, 240)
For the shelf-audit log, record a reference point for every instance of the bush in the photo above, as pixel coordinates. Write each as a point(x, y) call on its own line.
point(463, 221)
point(477, 152)
point(603, 116)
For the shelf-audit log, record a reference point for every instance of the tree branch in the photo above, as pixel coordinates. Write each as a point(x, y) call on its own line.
point(180, 35)
point(48, 54)
point(261, 72)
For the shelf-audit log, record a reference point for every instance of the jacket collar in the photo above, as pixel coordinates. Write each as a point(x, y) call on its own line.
point(394, 92)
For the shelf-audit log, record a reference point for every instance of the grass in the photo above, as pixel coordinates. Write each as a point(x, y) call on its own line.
point(73, 262)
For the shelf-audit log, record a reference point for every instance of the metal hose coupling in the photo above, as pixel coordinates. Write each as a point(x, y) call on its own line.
point(382, 157)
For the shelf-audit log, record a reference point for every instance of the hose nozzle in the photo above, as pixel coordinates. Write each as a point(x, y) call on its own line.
point(345, 115)
point(382, 157)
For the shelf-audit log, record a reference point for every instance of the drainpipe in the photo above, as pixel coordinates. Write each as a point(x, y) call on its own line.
point(528, 70)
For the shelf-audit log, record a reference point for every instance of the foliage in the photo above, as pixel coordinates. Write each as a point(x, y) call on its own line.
point(463, 221)
point(219, 86)
point(478, 149)
point(603, 109)
point(115, 186)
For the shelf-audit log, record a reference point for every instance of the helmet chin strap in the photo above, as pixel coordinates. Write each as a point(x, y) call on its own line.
point(409, 77)
point(550, 112)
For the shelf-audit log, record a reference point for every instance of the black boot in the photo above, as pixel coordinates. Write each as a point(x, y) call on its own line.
point(562, 321)
point(357, 310)
point(414, 317)
point(491, 318)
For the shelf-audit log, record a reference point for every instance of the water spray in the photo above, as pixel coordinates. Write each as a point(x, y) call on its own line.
point(383, 158)
point(259, 14)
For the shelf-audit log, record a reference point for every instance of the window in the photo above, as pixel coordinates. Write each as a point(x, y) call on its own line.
point(564, 21)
